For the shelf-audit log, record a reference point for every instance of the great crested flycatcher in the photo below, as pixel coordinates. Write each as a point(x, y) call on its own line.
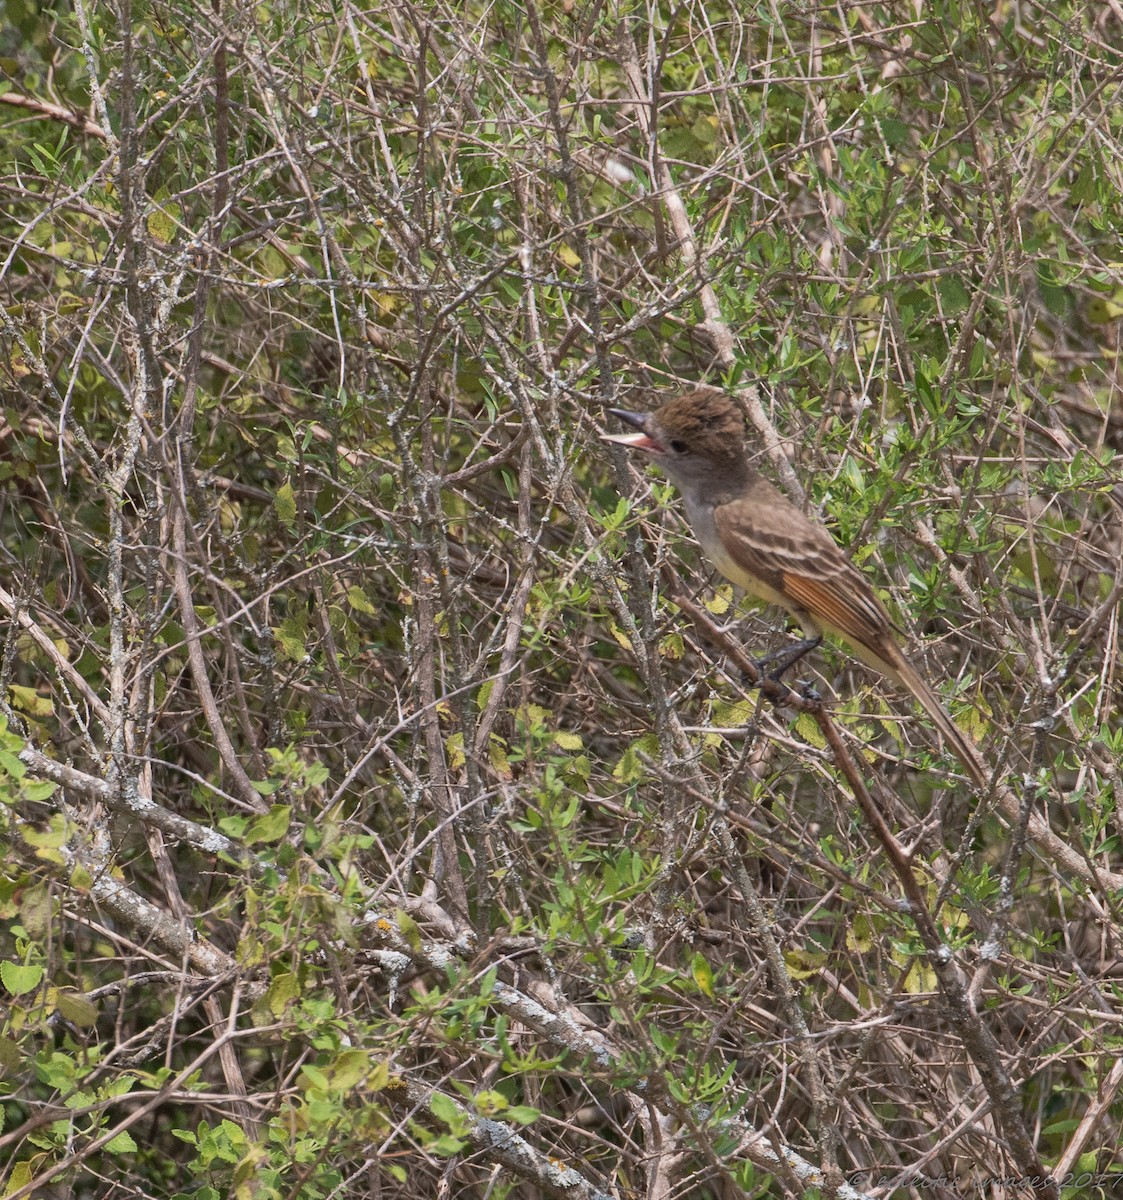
point(762, 542)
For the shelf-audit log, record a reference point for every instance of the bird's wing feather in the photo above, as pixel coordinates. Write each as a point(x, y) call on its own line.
point(844, 602)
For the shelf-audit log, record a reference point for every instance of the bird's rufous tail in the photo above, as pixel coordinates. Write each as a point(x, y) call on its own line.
point(961, 745)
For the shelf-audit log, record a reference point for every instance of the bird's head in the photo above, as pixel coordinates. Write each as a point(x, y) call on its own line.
point(695, 438)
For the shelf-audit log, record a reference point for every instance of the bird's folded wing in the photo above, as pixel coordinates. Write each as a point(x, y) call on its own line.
point(772, 540)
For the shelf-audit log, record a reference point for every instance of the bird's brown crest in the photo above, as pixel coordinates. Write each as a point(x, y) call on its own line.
point(701, 413)
point(707, 420)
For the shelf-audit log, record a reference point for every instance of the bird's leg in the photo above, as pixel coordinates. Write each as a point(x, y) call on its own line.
point(774, 664)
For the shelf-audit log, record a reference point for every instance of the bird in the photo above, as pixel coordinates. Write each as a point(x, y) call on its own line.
point(764, 543)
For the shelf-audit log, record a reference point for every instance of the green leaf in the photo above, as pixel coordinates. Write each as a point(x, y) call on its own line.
point(357, 598)
point(1083, 190)
point(809, 730)
point(446, 1145)
point(445, 1109)
point(408, 928)
point(282, 992)
point(11, 765)
point(36, 910)
point(522, 1114)
point(290, 635)
point(270, 826)
point(896, 133)
point(122, 1144)
point(852, 473)
point(18, 980)
point(954, 296)
point(732, 713)
point(349, 1070)
point(77, 1009)
point(313, 1079)
point(10, 1057)
point(39, 790)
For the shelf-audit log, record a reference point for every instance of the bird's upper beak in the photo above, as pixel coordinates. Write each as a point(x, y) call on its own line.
point(637, 441)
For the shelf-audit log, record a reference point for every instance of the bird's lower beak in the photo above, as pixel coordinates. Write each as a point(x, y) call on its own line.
point(637, 441)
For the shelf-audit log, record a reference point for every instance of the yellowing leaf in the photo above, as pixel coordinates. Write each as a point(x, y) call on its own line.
point(408, 928)
point(282, 992)
point(384, 303)
point(28, 700)
point(534, 715)
point(920, 979)
point(620, 636)
point(859, 939)
point(47, 843)
point(569, 256)
point(35, 910)
point(809, 730)
point(162, 221)
point(732, 713)
point(454, 748)
point(567, 741)
point(721, 601)
point(803, 963)
point(631, 768)
point(10, 1056)
point(497, 756)
point(349, 1070)
point(1100, 310)
point(23, 1173)
point(672, 647)
point(703, 976)
point(284, 504)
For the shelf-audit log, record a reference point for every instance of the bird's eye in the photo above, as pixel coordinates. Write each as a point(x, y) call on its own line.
point(678, 445)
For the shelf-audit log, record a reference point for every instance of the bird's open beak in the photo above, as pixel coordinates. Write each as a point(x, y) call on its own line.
point(636, 441)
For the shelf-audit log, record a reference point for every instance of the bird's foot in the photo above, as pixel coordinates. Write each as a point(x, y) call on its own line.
point(777, 662)
point(808, 691)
